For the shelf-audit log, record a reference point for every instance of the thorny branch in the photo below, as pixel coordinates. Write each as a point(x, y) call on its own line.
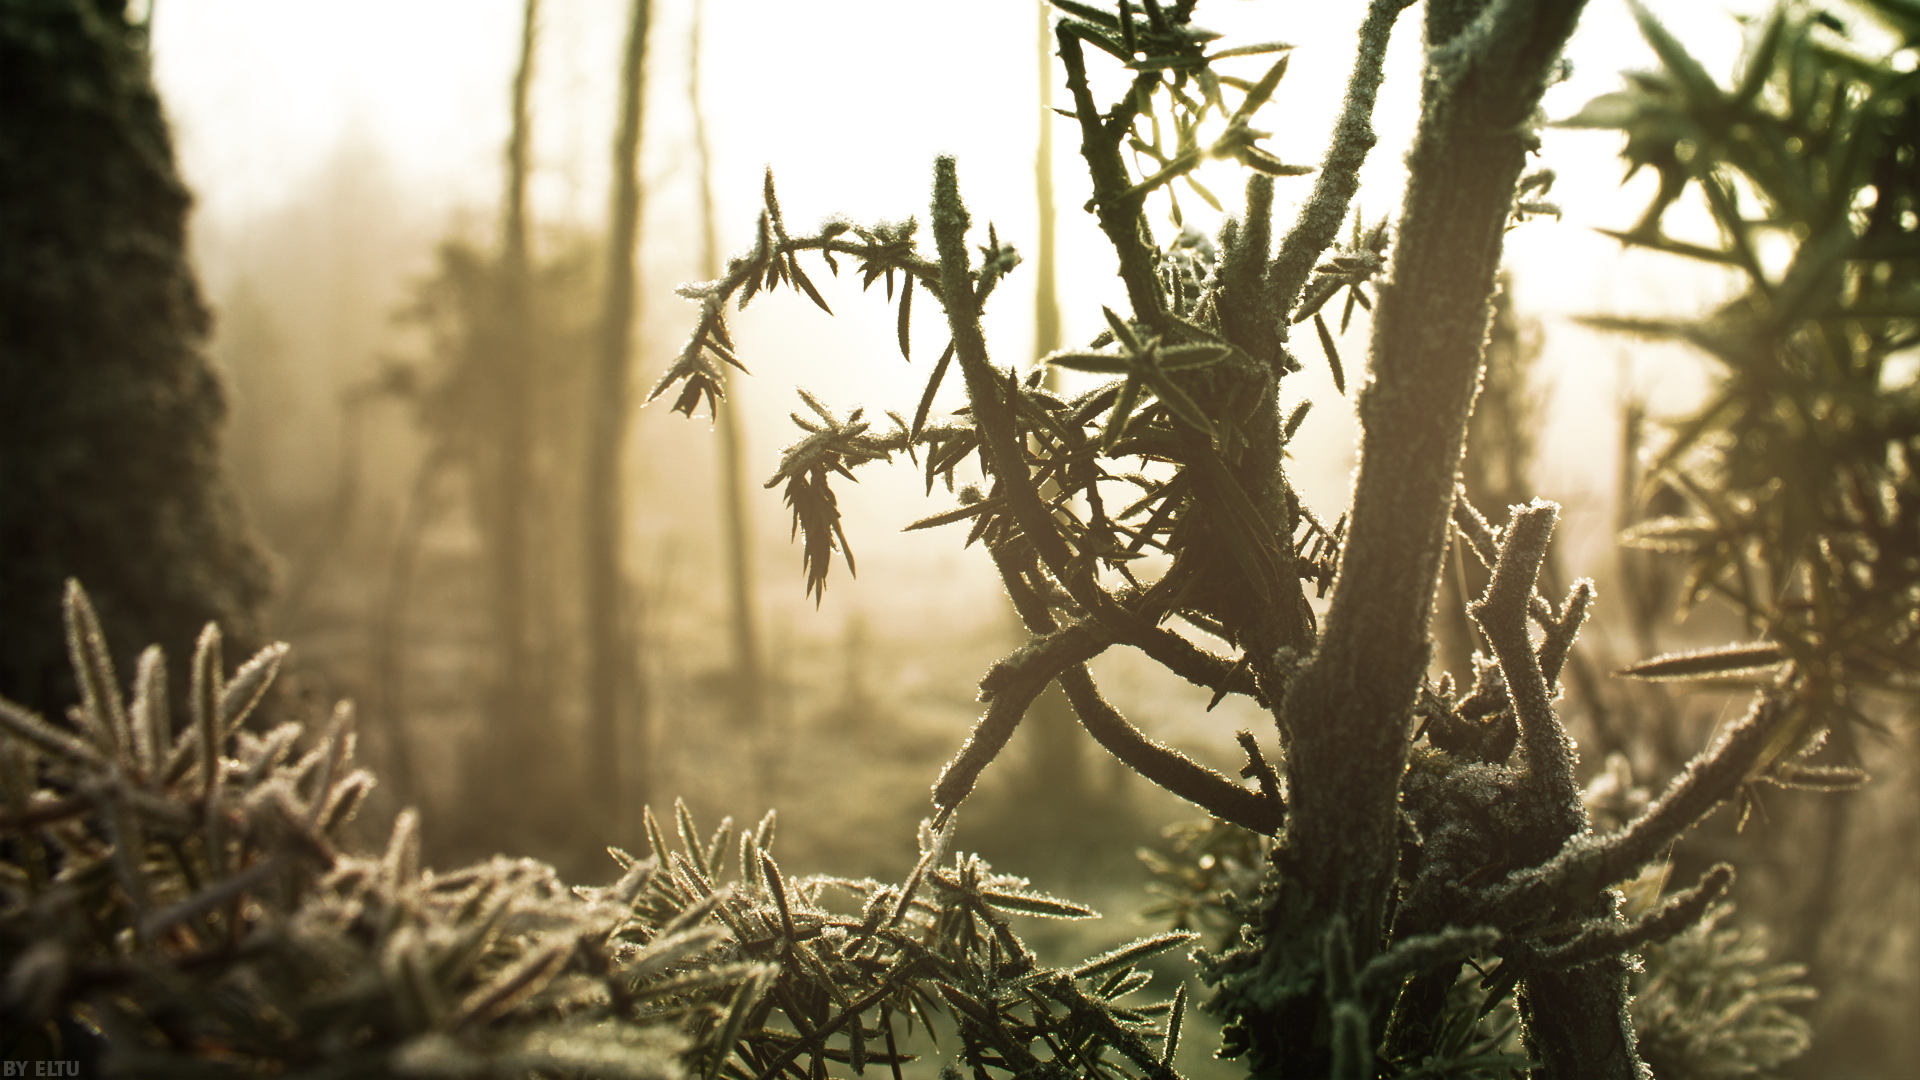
point(1114, 200)
point(1196, 367)
point(1260, 811)
point(994, 415)
point(1166, 766)
point(991, 410)
point(1502, 615)
point(1009, 689)
point(1603, 938)
point(1588, 863)
point(1353, 137)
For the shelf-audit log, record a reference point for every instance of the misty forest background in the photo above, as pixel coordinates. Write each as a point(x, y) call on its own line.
point(553, 606)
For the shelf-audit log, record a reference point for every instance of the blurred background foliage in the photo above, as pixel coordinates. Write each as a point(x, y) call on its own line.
point(1788, 497)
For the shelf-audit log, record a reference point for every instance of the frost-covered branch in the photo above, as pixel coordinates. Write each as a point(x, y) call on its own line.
point(1353, 138)
point(1009, 689)
point(1502, 615)
point(1165, 766)
point(1588, 864)
point(1349, 708)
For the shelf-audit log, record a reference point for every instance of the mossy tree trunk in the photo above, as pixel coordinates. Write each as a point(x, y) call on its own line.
point(110, 413)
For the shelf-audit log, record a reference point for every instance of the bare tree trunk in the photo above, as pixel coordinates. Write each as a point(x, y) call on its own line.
point(609, 654)
point(736, 521)
point(1046, 299)
point(1057, 769)
point(512, 382)
point(390, 633)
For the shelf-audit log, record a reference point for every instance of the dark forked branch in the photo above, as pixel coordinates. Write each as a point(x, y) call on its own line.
point(992, 412)
point(1165, 766)
point(1014, 683)
point(1114, 199)
point(1502, 615)
point(1009, 689)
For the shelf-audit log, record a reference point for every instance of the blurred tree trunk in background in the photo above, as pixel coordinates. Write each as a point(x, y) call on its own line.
point(506, 485)
point(610, 660)
point(109, 410)
point(747, 704)
point(1057, 770)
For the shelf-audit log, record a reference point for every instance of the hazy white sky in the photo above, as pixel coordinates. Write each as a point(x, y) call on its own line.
point(849, 100)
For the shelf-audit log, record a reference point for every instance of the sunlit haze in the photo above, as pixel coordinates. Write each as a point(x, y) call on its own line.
point(366, 130)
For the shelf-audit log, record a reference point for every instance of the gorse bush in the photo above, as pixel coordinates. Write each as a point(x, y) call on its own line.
point(1710, 1004)
point(188, 896)
point(1788, 493)
point(1422, 887)
point(1797, 472)
point(1416, 824)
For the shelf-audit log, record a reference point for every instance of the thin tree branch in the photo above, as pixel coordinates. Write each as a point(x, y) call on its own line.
point(1333, 189)
point(1442, 949)
point(1486, 547)
point(1502, 615)
point(1115, 202)
point(1611, 937)
point(1165, 766)
point(992, 412)
point(1009, 689)
point(1190, 661)
point(1558, 643)
point(1588, 864)
point(1258, 768)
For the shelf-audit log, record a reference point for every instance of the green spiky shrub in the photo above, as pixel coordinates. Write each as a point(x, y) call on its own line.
point(1712, 1004)
point(184, 892)
point(1796, 472)
point(1789, 493)
point(1415, 826)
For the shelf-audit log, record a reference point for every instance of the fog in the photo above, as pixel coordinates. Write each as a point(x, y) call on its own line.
point(336, 149)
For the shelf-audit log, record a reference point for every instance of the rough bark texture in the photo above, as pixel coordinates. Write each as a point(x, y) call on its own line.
point(1347, 712)
point(109, 411)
